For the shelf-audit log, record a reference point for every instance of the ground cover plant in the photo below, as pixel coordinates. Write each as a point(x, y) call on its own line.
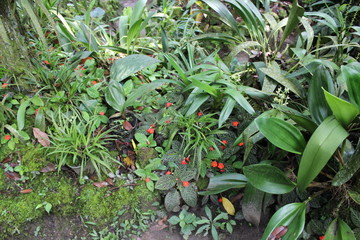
point(192, 116)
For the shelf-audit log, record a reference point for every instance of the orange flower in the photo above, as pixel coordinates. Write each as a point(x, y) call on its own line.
point(152, 125)
point(214, 163)
point(36, 111)
point(220, 199)
point(46, 62)
point(94, 82)
point(167, 121)
point(235, 124)
point(200, 114)
point(211, 149)
point(168, 104)
point(150, 130)
point(185, 183)
point(183, 162)
point(222, 147)
point(4, 85)
point(221, 166)
point(187, 159)
point(102, 113)
point(168, 173)
point(147, 180)
point(241, 144)
point(7, 137)
point(224, 141)
point(322, 238)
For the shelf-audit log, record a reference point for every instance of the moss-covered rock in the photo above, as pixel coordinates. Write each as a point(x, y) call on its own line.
point(33, 158)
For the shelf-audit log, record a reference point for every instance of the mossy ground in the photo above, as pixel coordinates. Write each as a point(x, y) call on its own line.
point(66, 196)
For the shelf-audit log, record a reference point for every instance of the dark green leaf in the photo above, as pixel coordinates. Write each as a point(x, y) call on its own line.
point(319, 109)
point(252, 204)
point(221, 183)
point(21, 114)
point(282, 134)
point(321, 146)
point(172, 200)
point(189, 195)
point(268, 179)
point(226, 111)
point(115, 96)
point(165, 182)
point(124, 67)
point(241, 100)
point(292, 216)
point(339, 230)
point(355, 217)
point(352, 78)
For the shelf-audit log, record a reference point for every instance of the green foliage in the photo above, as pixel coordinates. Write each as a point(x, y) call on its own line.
point(339, 230)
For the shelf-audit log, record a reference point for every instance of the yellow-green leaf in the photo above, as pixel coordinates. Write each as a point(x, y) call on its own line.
point(229, 207)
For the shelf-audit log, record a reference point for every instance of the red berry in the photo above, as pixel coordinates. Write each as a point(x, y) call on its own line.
point(185, 183)
point(214, 163)
point(235, 124)
point(221, 166)
point(150, 130)
point(147, 180)
point(7, 137)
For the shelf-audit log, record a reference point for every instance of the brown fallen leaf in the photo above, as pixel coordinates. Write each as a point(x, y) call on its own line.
point(42, 137)
point(127, 125)
point(49, 168)
point(24, 191)
point(6, 160)
point(13, 175)
point(109, 181)
point(101, 184)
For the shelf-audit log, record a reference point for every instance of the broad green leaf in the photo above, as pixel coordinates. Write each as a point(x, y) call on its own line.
point(37, 101)
point(177, 67)
point(241, 100)
point(239, 48)
point(229, 207)
point(296, 12)
point(197, 102)
point(226, 111)
point(205, 87)
point(321, 146)
point(355, 217)
point(352, 78)
point(344, 111)
point(115, 96)
point(40, 120)
point(273, 71)
point(124, 67)
point(291, 216)
point(221, 183)
point(150, 185)
point(141, 92)
point(189, 195)
point(138, 10)
point(319, 109)
point(339, 230)
point(140, 137)
point(268, 179)
point(299, 118)
point(282, 134)
point(252, 204)
point(165, 182)
point(355, 196)
point(172, 200)
point(21, 114)
point(350, 168)
point(224, 13)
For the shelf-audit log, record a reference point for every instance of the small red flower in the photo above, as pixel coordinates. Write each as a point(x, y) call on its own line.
point(222, 170)
point(150, 130)
point(222, 147)
point(224, 141)
point(4, 85)
point(7, 137)
point(211, 149)
point(152, 125)
point(235, 124)
point(167, 121)
point(214, 163)
point(94, 82)
point(82, 68)
point(200, 114)
point(187, 159)
point(147, 180)
point(183, 162)
point(36, 111)
point(185, 183)
point(102, 113)
point(322, 238)
point(80, 75)
point(221, 166)
point(4, 94)
point(46, 62)
point(168, 173)
point(168, 104)
point(220, 200)
point(241, 144)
